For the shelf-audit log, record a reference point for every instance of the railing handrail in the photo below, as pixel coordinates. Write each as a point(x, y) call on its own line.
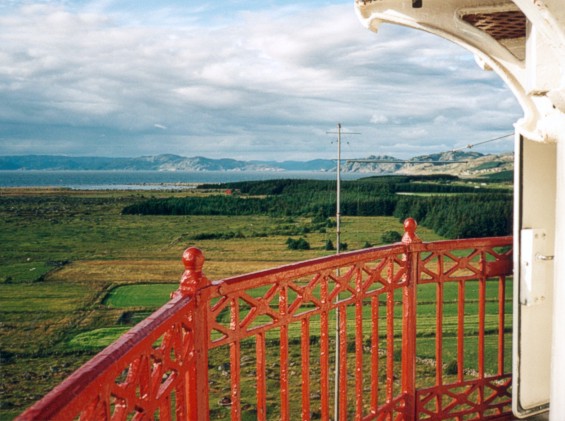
point(305, 267)
point(60, 402)
point(107, 362)
point(68, 399)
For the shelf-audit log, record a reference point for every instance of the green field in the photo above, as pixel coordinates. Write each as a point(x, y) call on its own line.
point(145, 295)
point(75, 274)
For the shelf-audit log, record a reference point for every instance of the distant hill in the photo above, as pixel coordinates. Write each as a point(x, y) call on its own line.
point(468, 164)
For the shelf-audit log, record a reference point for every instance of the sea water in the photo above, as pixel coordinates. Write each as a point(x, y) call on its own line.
point(151, 180)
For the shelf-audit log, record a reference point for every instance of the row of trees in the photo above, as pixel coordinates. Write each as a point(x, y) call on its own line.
point(373, 185)
point(320, 205)
point(464, 215)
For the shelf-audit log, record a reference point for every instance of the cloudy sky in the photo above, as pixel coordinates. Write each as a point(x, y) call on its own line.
point(242, 79)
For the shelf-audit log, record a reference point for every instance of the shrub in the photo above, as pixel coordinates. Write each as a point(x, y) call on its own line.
point(452, 368)
point(6, 357)
point(391, 237)
point(299, 244)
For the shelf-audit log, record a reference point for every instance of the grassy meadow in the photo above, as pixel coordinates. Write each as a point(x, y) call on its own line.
point(75, 274)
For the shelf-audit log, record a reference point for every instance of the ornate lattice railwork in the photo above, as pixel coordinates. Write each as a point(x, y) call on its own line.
point(141, 375)
point(265, 345)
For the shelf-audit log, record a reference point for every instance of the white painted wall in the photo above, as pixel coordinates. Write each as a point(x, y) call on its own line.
point(557, 412)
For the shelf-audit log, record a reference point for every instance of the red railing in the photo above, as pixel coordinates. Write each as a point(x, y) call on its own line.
point(265, 345)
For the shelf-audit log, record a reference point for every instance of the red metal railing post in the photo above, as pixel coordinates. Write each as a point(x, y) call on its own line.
point(193, 284)
point(411, 257)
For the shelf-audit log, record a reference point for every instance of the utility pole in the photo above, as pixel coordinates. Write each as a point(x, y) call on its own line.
point(338, 192)
point(338, 314)
point(338, 185)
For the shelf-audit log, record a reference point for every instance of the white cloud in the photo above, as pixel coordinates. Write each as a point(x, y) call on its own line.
point(262, 83)
point(379, 119)
point(414, 133)
point(441, 120)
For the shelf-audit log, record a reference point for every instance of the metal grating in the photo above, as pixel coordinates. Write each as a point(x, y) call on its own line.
point(499, 25)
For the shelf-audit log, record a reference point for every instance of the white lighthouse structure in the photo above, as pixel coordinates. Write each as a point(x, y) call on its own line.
point(523, 41)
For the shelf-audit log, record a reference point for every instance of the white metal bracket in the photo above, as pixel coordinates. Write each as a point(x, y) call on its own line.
point(535, 256)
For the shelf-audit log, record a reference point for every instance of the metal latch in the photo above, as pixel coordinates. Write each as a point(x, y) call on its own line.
point(535, 266)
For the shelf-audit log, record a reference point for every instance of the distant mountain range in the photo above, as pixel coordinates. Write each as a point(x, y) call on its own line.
point(467, 163)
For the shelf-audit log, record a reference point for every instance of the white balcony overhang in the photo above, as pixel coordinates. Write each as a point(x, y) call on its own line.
point(522, 41)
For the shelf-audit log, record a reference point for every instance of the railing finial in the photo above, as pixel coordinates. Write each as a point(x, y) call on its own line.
point(410, 236)
point(192, 278)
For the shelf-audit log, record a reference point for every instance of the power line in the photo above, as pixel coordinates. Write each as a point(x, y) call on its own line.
point(472, 145)
point(404, 161)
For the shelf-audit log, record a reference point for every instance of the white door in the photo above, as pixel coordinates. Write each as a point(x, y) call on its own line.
point(534, 228)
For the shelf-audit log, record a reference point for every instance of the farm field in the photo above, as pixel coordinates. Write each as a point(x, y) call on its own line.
point(75, 273)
